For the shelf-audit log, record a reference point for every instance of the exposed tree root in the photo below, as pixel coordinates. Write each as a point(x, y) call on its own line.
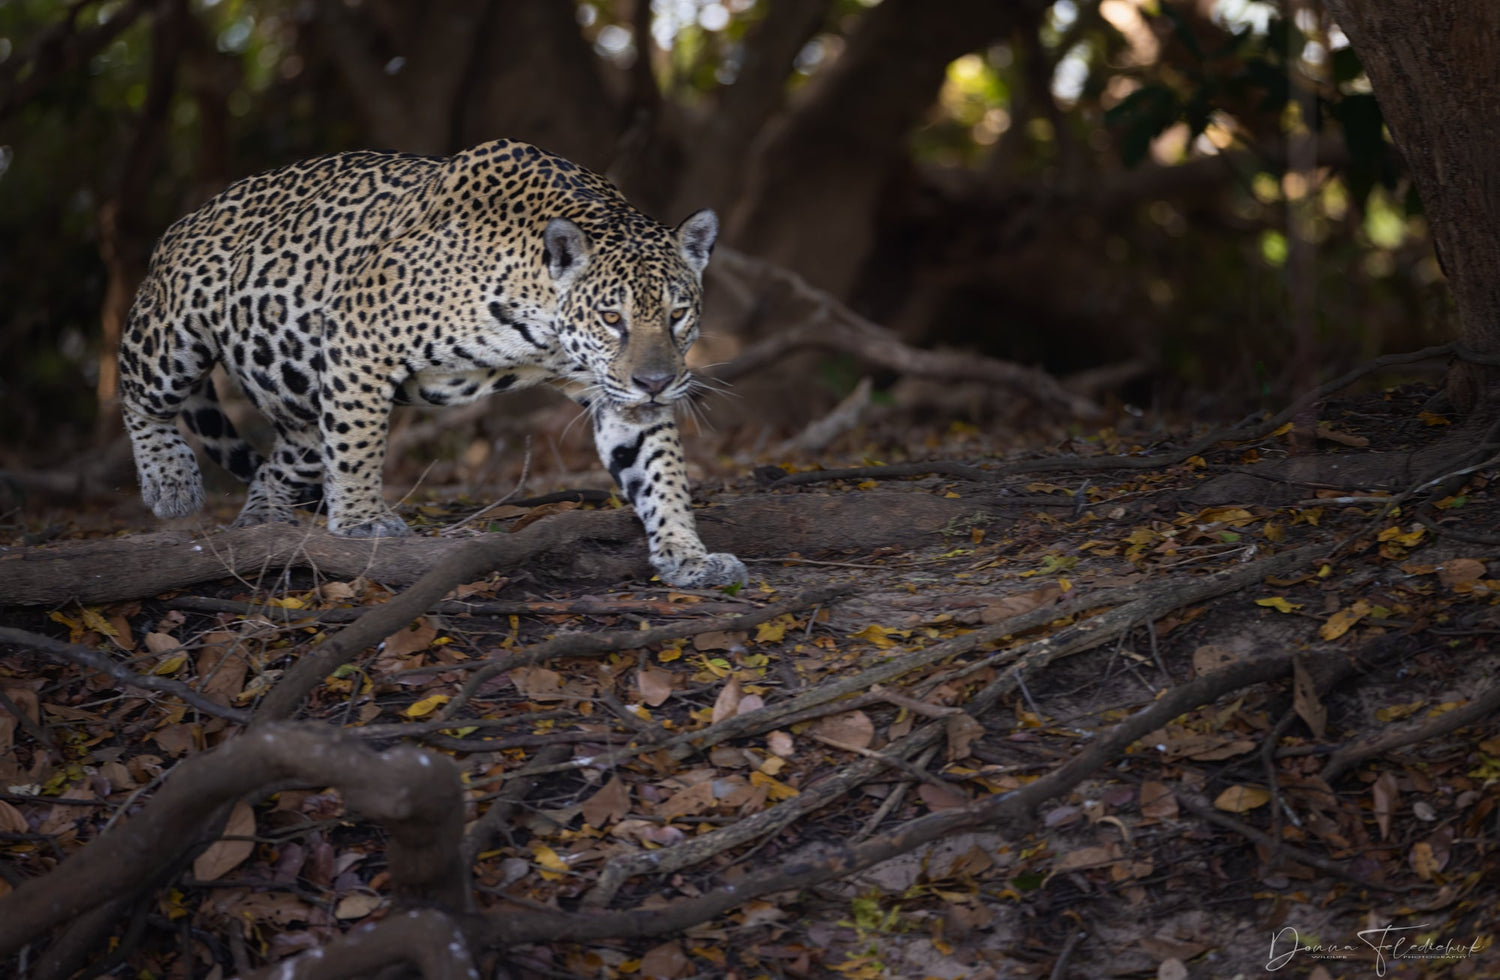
point(84, 657)
point(142, 565)
point(830, 325)
point(415, 794)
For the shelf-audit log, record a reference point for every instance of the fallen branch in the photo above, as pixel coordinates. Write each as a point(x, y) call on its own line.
point(518, 786)
point(142, 565)
point(413, 793)
point(1346, 758)
point(1203, 811)
point(582, 606)
point(830, 325)
point(428, 939)
point(72, 653)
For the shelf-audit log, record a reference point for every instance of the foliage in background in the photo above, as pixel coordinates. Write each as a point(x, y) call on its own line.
point(1090, 182)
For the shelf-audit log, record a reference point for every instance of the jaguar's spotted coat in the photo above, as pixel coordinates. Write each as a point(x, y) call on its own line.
point(334, 288)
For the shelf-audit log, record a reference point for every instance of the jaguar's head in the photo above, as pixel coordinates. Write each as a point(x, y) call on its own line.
point(629, 304)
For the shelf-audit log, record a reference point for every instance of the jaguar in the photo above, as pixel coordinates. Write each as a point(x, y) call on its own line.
point(333, 289)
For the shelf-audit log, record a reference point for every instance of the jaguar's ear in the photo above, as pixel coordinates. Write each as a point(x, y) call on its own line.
point(566, 251)
point(696, 235)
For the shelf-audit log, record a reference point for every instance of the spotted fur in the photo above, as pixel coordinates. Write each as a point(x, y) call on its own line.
point(335, 288)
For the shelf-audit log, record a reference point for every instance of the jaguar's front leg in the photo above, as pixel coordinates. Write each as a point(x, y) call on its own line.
point(644, 455)
point(353, 425)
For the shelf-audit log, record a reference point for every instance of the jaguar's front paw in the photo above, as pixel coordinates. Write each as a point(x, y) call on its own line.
point(704, 570)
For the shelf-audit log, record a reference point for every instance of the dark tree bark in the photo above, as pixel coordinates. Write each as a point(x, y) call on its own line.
point(817, 176)
point(1435, 68)
point(404, 66)
point(715, 164)
point(535, 78)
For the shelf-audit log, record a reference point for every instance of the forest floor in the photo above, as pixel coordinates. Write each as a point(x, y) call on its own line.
point(1249, 685)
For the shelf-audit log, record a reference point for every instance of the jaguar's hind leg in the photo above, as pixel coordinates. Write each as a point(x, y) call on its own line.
point(291, 477)
point(171, 484)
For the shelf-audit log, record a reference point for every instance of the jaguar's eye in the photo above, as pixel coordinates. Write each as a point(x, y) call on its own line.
point(679, 313)
point(611, 317)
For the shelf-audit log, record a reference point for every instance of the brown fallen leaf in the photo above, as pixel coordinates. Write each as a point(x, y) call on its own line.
point(1157, 801)
point(654, 684)
point(847, 728)
point(1384, 797)
point(11, 820)
point(727, 704)
point(719, 640)
point(412, 638)
point(1241, 798)
point(665, 962)
point(357, 905)
point(1171, 969)
point(1022, 602)
point(222, 666)
point(1329, 433)
point(538, 683)
point(962, 730)
point(780, 744)
point(161, 642)
point(693, 800)
point(1087, 857)
point(1305, 699)
point(223, 856)
point(611, 803)
point(1460, 571)
point(941, 797)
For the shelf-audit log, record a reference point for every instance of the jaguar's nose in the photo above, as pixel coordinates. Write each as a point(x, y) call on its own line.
point(652, 384)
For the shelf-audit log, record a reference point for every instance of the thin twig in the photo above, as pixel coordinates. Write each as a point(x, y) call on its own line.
point(93, 660)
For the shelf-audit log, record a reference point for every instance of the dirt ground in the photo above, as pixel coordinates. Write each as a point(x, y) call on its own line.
point(1077, 581)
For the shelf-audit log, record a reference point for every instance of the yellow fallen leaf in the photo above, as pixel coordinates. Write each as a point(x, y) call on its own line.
point(1429, 418)
point(1407, 539)
point(427, 705)
point(1233, 516)
point(1241, 799)
point(774, 630)
point(547, 858)
point(170, 666)
point(880, 635)
point(98, 622)
point(775, 788)
point(1279, 604)
point(1396, 712)
point(1342, 621)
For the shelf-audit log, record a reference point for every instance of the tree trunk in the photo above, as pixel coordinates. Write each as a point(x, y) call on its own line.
point(1435, 68)
point(814, 186)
